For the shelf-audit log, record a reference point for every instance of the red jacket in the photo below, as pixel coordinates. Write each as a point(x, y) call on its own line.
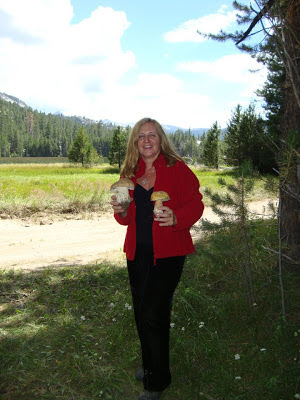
point(182, 186)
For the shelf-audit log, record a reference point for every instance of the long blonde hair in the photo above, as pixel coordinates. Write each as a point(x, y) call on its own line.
point(130, 164)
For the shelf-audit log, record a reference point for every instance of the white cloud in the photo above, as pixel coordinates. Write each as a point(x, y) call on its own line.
point(79, 69)
point(62, 63)
point(212, 23)
point(232, 68)
point(36, 18)
point(235, 68)
point(159, 96)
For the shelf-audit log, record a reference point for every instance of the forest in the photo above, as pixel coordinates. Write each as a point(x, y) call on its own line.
point(29, 133)
point(25, 132)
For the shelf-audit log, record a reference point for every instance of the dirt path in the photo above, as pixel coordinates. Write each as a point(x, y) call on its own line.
point(34, 244)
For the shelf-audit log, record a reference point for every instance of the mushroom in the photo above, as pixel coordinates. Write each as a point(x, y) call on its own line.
point(121, 191)
point(159, 197)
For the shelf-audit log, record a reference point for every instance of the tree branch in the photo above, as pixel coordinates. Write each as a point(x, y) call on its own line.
point(283, 255)
point(256, 20)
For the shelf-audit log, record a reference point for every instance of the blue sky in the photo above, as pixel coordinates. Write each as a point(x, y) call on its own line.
point(124, 60)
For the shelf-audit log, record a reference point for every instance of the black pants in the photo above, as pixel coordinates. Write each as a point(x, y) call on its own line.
point(152, 289)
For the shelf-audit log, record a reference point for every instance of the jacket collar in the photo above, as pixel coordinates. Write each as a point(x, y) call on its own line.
point(160, 161)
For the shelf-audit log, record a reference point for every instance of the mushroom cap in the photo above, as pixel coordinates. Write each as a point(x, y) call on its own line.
point(160, 196)
point(123, 182)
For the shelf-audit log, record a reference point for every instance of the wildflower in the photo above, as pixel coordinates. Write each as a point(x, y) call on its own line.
point(111, 305)
point(297, 396)
point(201, 324)
point(82, 318)
point(172, 324)
point(237, 357)
point(128, 306)
point(238, 378)
point(263, 349)
point(183, 328)
point(114, 319)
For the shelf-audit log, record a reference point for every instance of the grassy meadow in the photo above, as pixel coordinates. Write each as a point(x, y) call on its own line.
point(56, 188)
point(68, 333)
point(26, 189)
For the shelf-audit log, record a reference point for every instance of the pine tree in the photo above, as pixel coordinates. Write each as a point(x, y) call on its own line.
point(82, 150)
point(234, 218)
point(118, 146)
point(245, 140)
point(210, 152)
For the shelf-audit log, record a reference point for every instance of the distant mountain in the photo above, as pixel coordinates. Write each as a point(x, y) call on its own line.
point(194, 131)
point(167, 128)
point(13, 99)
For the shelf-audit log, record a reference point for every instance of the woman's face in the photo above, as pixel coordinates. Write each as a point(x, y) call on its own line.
point(148, 141)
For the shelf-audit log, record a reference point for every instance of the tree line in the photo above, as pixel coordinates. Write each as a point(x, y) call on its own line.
point(25, 132)
point(29, 133)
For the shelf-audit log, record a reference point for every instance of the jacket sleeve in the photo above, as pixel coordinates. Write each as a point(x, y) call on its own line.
point(190, 207)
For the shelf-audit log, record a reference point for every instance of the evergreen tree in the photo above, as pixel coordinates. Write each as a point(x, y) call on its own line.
point(234, 219)
point(279, 23)
point(82, 150)
point(118, 146)
point(186, 144)
point(210, 151)
point(245, 140)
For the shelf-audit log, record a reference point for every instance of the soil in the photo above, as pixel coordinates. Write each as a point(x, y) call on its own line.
point(51, 241)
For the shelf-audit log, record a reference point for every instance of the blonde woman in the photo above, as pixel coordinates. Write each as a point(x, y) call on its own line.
point(156, 244)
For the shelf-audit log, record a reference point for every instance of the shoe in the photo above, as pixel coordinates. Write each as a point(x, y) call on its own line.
point(139, 375)
point(147, 395)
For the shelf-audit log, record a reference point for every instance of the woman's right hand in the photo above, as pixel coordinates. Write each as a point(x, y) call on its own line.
point(118, 209)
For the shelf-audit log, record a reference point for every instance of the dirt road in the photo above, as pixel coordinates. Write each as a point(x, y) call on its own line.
point(35, 244)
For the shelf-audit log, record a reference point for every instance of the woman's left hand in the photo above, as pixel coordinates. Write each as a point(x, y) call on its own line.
point(166, 217)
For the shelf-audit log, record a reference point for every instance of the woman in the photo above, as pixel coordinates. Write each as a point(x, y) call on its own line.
point(156, 245)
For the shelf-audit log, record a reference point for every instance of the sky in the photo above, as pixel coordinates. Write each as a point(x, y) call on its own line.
point(125, 60)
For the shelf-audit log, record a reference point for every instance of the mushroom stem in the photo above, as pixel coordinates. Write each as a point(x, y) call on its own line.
point(158, 203)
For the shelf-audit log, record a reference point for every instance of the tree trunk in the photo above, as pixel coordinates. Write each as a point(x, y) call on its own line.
point(290, 180)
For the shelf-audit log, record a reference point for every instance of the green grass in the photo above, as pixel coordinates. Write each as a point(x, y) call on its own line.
point(69, 333)
point(62, 188)
point(29, 188)
point(208, 179)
